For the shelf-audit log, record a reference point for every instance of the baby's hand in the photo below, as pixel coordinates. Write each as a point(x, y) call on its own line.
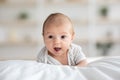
point(82, 63)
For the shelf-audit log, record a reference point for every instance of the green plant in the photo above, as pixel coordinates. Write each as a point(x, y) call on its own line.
point(23, 15)
point(104, 11)
point(104, 47)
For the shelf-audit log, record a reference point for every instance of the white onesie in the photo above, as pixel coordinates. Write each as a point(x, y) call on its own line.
point(75, 55)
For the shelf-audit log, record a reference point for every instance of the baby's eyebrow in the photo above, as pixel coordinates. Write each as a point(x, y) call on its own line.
point(49, 33)
point(64, 33)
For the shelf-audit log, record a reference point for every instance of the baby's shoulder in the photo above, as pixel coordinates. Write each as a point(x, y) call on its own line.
point(75, 46)
point(43, 48)
point(42, 51)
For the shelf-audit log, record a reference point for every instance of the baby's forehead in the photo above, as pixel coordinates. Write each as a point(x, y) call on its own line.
point(59, 20)
point(59, 29)
point(59, 26)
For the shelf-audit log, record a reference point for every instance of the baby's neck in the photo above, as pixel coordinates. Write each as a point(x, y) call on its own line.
point(63, 59)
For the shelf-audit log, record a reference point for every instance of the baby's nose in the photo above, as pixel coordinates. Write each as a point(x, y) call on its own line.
point(56, 40)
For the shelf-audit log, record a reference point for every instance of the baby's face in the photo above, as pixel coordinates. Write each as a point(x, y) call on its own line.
point(58, 38)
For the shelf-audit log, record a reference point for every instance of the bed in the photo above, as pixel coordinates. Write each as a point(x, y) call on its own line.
point(101, 69)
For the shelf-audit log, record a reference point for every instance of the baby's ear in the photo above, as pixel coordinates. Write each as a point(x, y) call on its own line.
point(42, 34)
point(73, 35)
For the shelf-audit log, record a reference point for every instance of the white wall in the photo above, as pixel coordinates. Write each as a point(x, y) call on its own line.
point(85, 19)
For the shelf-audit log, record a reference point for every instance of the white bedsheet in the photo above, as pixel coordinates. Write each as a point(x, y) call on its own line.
point(103, 69)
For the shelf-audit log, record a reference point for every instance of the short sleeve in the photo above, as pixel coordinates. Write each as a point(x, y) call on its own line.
point(41, 56)
point(78, 54)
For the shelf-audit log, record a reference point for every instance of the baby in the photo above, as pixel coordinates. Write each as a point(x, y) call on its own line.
point(58, 34)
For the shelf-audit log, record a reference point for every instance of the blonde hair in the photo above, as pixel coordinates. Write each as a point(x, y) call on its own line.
point(57, 19)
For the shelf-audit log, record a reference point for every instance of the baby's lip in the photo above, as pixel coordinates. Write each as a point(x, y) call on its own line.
point(57, 49)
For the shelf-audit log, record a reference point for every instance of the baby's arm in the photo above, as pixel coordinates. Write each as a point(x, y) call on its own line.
point(82, 63)
point(79, 57)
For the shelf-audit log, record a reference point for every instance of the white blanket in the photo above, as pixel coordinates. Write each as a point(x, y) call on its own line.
point(103, 69)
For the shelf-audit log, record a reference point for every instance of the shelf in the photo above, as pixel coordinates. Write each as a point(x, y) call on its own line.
point(83, 22)
point(18, 3)
point(108, 2)
point(9, 44)
point(58, 2)
point(104, 40)
point(17, 23)
point(81, 41)
point(105, 21)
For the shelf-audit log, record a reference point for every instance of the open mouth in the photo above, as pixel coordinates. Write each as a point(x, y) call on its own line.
point(57, 49)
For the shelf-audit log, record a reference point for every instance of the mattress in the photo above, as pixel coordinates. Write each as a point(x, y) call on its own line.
point(101, 69)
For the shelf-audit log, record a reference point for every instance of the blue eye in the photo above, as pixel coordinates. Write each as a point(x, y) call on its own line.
point(63, 37)
point(50, 36)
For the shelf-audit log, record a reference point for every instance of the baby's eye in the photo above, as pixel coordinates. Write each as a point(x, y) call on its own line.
point(50, 36)
point(63, 36)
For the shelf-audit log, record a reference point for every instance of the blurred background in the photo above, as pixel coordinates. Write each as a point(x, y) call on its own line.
point(96, 23)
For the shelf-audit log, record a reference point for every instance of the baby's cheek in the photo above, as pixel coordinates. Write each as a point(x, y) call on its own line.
point(67, 43)
point(68, 40)
point(48, 42)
